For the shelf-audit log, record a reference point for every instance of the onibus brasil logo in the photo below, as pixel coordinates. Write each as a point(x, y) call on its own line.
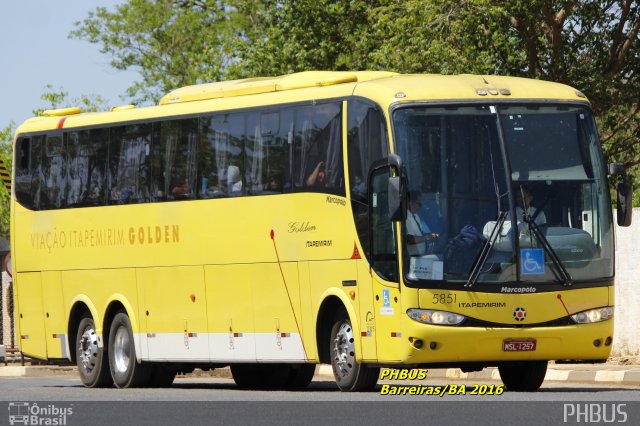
point(27, 413)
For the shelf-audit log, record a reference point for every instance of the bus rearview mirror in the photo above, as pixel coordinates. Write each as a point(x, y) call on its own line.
point(395, 199)
point(625, 203)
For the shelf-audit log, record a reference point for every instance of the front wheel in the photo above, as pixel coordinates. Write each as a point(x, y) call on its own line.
point(92, 360)
point(125, 370)
point(349, 374)
point(523, 377)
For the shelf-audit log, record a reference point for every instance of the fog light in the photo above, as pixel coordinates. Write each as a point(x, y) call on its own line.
point(418, 344)
point(608, 340)
point(597, 343)
point(433, 346)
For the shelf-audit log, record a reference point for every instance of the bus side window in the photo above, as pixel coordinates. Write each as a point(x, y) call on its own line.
point(129, 164)
point(267, 151)
point(54, 169)
point(178, 144)
point(86, 160)
point(318, 149)
point(221, 162)
point(28, 171)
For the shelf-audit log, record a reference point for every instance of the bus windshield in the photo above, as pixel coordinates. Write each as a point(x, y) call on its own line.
point(503, 194)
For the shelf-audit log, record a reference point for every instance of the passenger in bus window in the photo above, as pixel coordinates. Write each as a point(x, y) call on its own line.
point(359, 189)
point(317, 178)
point(420, 239)
point(180, 190)
point(234, 179)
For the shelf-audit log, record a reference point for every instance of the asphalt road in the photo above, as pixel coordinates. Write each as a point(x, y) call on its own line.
point(207, 400)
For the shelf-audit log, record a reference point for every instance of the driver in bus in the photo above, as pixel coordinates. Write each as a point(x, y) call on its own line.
point(524, 199)
point(420, 239)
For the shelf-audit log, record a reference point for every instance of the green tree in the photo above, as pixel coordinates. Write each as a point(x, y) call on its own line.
point(291, 36)
point(59, 98)
point(170, 43)
point(6, 153)
point(591, 45)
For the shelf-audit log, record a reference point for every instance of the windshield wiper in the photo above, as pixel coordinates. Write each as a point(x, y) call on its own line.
point(486, 249)
point(565, 277)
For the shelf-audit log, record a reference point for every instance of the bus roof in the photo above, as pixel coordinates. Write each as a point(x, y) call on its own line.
point(383, 87)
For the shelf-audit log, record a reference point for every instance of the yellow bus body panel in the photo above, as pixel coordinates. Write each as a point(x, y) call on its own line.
point(244, 279)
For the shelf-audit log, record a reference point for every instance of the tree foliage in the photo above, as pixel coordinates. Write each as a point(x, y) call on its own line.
point(591, 45)
point(6, 151)
point(59, 98)
point(170, 43)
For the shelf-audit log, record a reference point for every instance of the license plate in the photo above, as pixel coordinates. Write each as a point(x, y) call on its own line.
point(518, 345)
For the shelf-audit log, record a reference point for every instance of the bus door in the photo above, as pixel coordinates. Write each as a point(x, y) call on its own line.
point(384, 268)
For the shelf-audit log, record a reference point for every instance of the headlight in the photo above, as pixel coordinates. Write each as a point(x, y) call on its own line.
point(593, 315)
point(426, 316)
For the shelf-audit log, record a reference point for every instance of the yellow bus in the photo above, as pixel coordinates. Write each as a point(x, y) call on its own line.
point(360, 219)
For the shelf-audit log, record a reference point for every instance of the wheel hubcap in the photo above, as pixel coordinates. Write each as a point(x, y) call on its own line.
point(88, 349)
point(344, 352)
point(121, 346)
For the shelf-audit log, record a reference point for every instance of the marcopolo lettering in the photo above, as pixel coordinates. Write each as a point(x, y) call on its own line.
point(505, 289)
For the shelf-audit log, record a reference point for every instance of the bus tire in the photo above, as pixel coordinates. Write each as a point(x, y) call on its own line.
point(260, 376)
point(300, 376)
point(523, 377)
point(162, 376)
point(350, 376)
point(125, 370)
point(92, 360)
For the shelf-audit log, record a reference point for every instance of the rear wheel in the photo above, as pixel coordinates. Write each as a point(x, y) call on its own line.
point(349, 374)
point(92, 360)
point(527, 376)
point(125, 370)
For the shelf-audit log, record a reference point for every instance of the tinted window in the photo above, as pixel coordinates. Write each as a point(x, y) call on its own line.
point(28, 171)
point(54, 171)
point(223, 162)
point(227, 154)
point(318, 148)
point(129, 164)
point(177, 149)
point(87, 160)
point(267, 151)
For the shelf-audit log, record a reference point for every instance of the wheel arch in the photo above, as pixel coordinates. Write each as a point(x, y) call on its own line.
point(80, 305)
point(332, 302)
point(119, 303)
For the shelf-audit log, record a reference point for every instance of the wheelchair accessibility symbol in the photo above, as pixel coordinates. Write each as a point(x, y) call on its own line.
point(532, 261)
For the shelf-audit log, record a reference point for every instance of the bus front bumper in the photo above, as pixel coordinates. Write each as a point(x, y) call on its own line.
point(426, 344)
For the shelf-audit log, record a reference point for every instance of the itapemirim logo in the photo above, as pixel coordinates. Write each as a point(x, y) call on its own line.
point(30, 413)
